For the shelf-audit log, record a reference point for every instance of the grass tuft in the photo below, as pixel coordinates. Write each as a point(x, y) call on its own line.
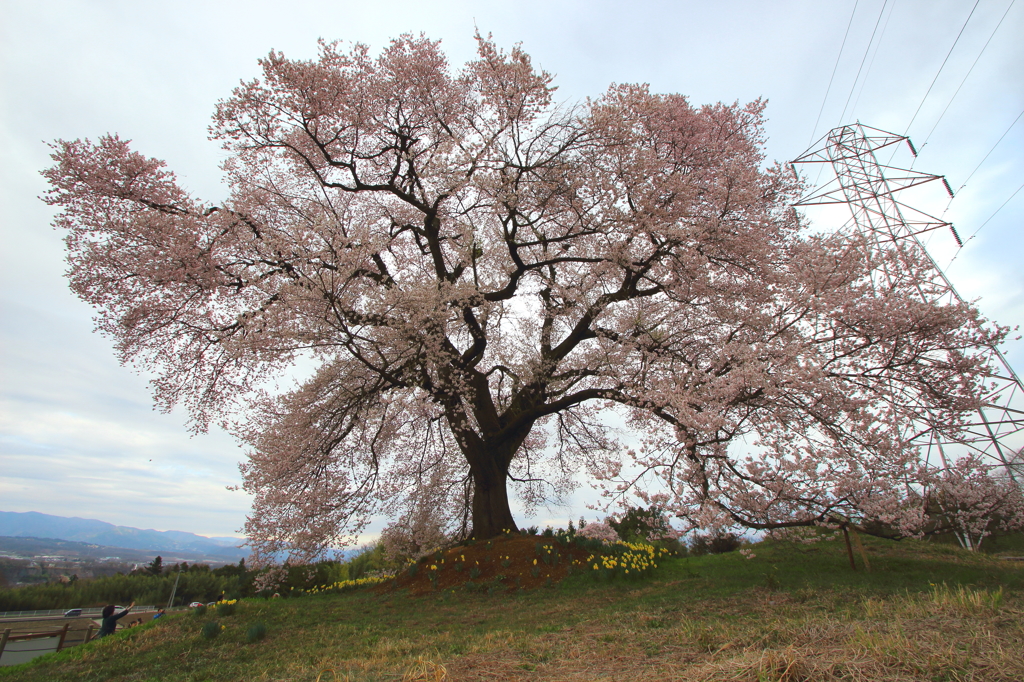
point(256, 632)
point(212, 630)
point(425, 670)
point(966, 598)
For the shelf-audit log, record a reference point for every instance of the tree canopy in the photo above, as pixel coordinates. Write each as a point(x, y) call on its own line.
point(499, 291)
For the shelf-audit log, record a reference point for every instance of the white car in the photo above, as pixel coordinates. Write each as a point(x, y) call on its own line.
point(195, 605)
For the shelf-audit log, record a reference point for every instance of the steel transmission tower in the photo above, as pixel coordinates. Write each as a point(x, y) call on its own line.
point(867, 187)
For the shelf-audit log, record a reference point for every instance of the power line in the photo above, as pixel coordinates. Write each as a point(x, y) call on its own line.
point(1005, 133)
point(997, 211)
point(864, 59)
point(986, 223)
point(845, 35)
point(991, 150)
point(941, 67)
point(871, 64)
point(968, 73)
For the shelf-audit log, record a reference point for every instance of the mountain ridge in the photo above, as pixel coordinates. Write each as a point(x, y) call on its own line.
point(94, 531)
point(52, 549)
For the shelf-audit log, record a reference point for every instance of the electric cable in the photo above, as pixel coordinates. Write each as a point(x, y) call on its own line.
point(1001, 206)
point(871, 63)
point(842, 116)
point(985, 223)
point(942, 66)
point(1008, 8)
point(1005, 133)
point(845, 35)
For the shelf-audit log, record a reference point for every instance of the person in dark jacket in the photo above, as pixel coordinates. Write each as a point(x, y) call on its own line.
point(109, 623)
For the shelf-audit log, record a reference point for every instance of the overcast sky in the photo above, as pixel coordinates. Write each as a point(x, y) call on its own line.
point(78, 436)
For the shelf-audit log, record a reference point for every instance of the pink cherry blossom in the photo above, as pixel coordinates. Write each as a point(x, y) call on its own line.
point(599, 531)
point(481, 277)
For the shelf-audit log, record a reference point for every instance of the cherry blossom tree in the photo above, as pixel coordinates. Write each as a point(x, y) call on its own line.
point(499, 292)
point(965, 499)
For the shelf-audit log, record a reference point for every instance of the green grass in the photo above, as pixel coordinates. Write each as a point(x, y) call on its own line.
point(926, 611)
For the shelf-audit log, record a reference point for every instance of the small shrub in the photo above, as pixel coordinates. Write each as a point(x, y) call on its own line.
point(212, 629)
point(591, 545)
point(645, 525)
point(719, 543)
point(602, 532)
point(256, 632)
point(673, 546)
point(199, 611)
point(226, 609)
point(474, 572)
point(413, 570)
point(532, 530)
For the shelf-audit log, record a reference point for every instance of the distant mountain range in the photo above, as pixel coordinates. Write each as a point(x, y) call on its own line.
point(36, 525)
point(70, 550)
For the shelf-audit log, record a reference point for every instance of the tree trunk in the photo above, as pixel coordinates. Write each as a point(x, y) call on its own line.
point(491, 513)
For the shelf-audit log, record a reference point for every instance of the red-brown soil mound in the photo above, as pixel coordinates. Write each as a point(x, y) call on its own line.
point(507, 563)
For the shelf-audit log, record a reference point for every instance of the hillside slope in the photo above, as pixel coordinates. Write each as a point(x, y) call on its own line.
point(792, 612)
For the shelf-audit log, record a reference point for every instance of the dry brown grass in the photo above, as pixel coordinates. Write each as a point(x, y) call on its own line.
point(899, 638)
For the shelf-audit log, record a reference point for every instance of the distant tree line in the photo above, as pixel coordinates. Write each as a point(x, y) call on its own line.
point(153, 583)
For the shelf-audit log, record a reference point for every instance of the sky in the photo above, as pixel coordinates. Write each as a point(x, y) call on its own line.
point(78, 434)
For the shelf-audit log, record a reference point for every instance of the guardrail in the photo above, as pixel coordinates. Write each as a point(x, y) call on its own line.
point(19, 647)
point(86, 613)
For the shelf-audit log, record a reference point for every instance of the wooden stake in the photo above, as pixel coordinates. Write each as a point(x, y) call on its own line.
point(860, 548)
point(849, 549)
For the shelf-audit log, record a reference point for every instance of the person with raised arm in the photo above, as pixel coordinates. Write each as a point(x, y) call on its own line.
point(109, 623)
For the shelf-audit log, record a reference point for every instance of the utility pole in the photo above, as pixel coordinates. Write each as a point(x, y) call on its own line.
point(170, 602)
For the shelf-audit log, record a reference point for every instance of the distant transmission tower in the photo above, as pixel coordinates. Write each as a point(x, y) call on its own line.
point(868, 187)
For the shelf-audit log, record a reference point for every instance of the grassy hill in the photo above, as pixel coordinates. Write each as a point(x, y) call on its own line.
point(793, 612)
